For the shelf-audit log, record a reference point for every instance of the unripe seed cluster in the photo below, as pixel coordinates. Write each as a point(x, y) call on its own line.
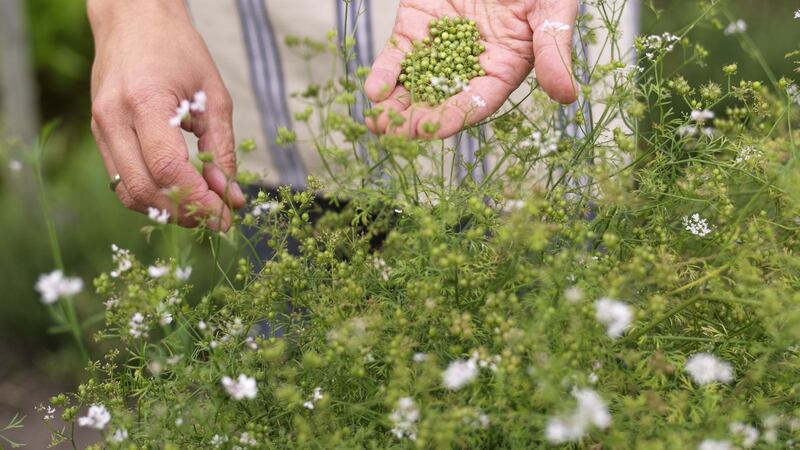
point(443, 64)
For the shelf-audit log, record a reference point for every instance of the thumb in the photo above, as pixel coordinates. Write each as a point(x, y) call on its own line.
point(212, 122)
point(553, 22)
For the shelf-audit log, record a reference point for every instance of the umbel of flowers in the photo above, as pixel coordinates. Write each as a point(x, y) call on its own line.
point(634, 285)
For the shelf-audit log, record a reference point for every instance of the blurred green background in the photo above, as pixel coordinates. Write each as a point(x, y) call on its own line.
point(88, 217)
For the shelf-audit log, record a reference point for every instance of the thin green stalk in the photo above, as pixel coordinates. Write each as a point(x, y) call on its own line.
point(55, 247)
point(681, 306)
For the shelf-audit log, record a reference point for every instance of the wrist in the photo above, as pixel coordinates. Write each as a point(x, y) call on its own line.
point(105, 15)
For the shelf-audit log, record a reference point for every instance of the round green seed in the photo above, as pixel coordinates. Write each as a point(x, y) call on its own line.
point(440, 64)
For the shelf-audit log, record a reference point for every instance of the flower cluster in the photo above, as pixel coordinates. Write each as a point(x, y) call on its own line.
point(97, 417)
point(186, 108)
point(242, 388)
point(404, 418)
point(54, 286)
point(615, 315)
point(591, 411)
point(706, 368)
point(697, 225)
point(553, 27)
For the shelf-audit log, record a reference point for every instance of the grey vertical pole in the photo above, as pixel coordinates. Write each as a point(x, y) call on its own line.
point(19, 115)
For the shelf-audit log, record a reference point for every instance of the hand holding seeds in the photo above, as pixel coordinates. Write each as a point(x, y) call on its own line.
point(450, 65)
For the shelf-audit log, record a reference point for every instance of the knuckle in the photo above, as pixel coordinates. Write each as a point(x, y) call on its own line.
point(95, 128)
point(139, 97)
point(187, 221)
point(141, 194)
point(103, 109)
point(126, 200)
point(198, 199)
point(226, 160)
point(165, 169)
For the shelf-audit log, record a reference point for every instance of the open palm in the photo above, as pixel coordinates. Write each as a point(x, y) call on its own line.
point(515, 42)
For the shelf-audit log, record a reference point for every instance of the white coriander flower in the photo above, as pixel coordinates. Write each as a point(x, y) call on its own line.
point(180, 113)
point(183, 273)
point(49, 413)
point(199, 102)
point(243, 387)
point(747, 433)
point(157, 271)
point(737, 27)
point(797, 14)
point(592, 408)
point(14, 165)
point(591, 411)
point(615, 315)
point(697, 225)
point(710, 444)
point(478, 101)
point(405, 417)
point(266, 208)
point(174, 299)
point(794, 93)
point(706, 368)
point(460, 373)
point(122, 258)
point(656, 44)
point(218, 440)
point(155, 368)
point(54, 285)
point(160, 216)
point(136, 326)
point(97, 417)
point(701, 116)
point(420, 357)
point(688, 130)
point(626, 71)
point(202, 325)
point(119, 436)
point(747, 153)
point(573, 294)
point(247, 440)
point(315, 397)
point(771, 424)
point(166, 319)
point(461, 85)
point(553, 26)
point(512, 205)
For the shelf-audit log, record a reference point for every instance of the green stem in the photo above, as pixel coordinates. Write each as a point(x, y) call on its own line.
point(55, 248)
point(681, 306)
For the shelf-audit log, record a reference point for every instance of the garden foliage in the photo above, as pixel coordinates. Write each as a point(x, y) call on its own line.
point(625, 280)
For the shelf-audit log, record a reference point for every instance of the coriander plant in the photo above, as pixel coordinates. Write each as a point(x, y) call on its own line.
point(621, 279)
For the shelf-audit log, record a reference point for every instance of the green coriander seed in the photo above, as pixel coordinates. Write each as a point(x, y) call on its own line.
point(442, 64)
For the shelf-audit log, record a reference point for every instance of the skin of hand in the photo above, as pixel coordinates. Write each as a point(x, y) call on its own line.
point(515, 43)
point(148, 58)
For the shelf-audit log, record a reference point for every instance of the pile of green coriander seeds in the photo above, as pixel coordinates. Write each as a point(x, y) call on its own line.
point(443, 64)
